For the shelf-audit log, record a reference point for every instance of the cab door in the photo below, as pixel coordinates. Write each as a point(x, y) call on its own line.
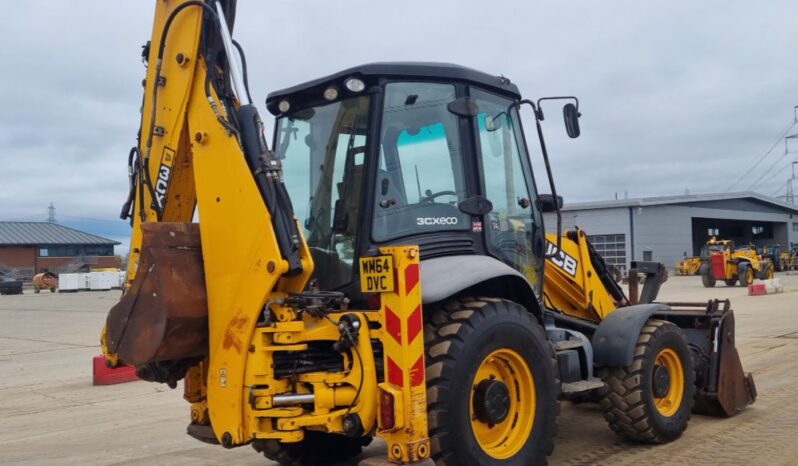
point(513, 228)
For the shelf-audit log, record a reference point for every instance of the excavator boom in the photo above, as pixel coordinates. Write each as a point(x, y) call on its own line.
point(199, 288)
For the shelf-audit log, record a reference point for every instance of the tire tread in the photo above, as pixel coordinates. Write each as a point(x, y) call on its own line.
point(622, 398)
point(448, 327)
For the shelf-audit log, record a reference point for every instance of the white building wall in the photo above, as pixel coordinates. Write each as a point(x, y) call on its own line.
point(666, 231)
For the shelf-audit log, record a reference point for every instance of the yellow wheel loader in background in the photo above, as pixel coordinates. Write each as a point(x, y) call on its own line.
point(733, 265)
point(689, 265)
point(382, 271)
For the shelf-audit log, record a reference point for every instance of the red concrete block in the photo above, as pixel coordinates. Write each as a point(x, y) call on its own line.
point(104, 375)
point(756, 289)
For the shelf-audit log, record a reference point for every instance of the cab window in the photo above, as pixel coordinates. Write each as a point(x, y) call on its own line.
point(323, 151)
point(420, 178)
point(510, 225)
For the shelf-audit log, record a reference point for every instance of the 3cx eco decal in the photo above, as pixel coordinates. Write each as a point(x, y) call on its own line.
point(562, 260)
point(162, 182)
point(429, 221)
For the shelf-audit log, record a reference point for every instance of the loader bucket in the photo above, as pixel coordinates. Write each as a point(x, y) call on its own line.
point(728, 389)
point(163, 316)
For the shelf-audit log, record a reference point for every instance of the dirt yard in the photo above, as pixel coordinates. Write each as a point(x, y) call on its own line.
point(50, 413)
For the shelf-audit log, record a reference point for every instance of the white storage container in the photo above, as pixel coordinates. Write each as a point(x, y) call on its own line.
point(68, 282)
point(102, 280)
point(122, 276)
point(83, 281)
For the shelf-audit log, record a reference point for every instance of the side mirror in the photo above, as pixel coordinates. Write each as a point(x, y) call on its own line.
point(546, 203)
point(571, 116)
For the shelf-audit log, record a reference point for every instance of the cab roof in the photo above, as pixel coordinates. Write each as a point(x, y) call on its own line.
point(372, 72)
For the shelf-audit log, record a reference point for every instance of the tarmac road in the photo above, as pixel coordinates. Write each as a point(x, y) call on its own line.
point(50, 413)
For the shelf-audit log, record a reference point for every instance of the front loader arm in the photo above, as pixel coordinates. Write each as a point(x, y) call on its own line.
point(199, 145)
point(577, 281)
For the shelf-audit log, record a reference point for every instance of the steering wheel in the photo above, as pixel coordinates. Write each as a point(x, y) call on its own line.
point(431, 196)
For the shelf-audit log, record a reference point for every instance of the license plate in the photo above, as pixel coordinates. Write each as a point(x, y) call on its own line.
point(376, 274)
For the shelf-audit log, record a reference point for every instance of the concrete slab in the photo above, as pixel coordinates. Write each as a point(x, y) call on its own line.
point(50, 413)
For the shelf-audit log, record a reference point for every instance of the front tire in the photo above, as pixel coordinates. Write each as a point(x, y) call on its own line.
point(651, 400)
point(707, 279)
point(492, 384)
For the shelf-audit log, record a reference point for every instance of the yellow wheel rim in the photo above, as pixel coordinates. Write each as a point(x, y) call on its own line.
point(504, 439)
point(670, 402)
point(749, 274)
point(770, 273)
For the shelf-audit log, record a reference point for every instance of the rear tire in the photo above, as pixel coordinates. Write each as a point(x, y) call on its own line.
point(471, 344)
point(731, 282)
point(746, 274)
point(628, 397)
point(316, 449)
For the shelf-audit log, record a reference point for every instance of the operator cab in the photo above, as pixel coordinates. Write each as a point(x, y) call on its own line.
point(408, 153)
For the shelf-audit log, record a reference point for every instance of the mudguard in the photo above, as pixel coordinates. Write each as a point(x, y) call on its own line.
point(443, 277)
point(616, 337)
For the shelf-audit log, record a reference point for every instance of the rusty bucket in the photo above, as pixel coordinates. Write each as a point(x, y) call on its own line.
point(163, 316)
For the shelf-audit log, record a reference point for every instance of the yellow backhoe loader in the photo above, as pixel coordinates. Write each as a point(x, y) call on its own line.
point(733, 265)
point(380, 270)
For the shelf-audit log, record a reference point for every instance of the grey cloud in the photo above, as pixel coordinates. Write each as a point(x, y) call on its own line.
point(675, 95)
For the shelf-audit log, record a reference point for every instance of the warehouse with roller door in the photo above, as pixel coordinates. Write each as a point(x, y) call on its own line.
point(27, 248)
point(665, 229)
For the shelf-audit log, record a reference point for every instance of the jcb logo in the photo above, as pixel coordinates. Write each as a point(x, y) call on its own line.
point(562, 260)
point(426, 221)
point(161, 185)
point(164, 175)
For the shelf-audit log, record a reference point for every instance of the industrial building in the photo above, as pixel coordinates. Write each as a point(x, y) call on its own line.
point(27, 248)
point(664, 229)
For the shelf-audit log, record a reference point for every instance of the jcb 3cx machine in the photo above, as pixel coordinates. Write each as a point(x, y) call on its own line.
point(381, 270)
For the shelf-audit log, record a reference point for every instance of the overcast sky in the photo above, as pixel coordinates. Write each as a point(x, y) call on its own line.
point(674, 95)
